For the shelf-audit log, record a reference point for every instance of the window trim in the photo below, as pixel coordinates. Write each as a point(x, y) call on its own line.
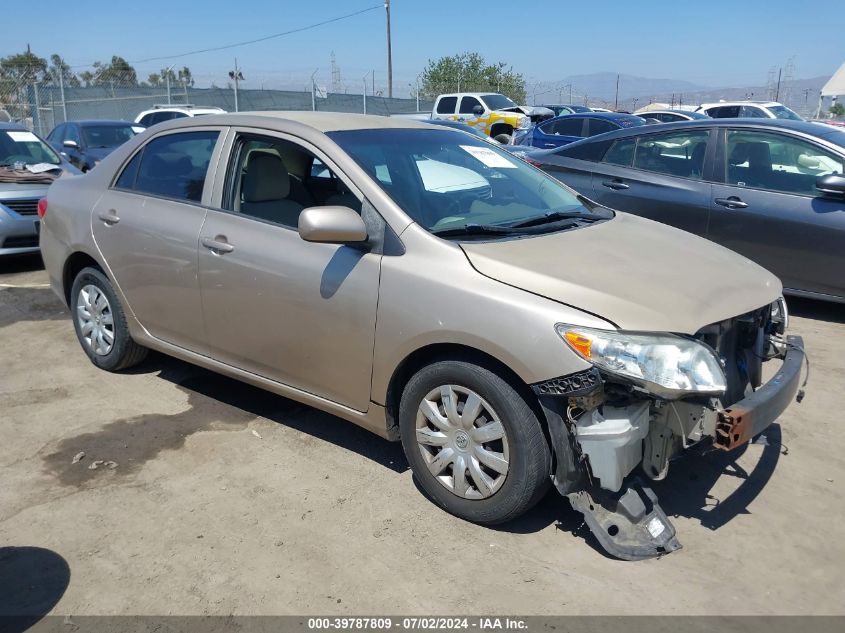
point(721, 159)
point(209, 175)
point(230, 153)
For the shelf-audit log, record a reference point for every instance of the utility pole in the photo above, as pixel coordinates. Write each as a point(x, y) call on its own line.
point(235, 75)
point(389, 53)
point(616, 102)
point(570, 93)
point(365, 92)
point(313, 93)
point(167, 81)
point(777, 90)
point(62, 87)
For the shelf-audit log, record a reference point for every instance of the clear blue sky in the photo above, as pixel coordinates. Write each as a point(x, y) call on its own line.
point(717, 43)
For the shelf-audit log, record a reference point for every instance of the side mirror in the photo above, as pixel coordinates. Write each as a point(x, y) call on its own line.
point(71, 144)
point(833, 184)
point(332, 225)
point(477, 110)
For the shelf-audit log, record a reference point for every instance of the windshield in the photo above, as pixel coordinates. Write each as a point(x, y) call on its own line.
point(782, 112)
point(22, 146)
point(108, 135)
point(497, 102)
point(444, 179)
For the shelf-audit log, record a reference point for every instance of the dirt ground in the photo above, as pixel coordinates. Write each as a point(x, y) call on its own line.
point(228, 500)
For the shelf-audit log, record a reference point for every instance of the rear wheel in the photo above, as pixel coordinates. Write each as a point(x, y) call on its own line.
point(100, 323)
point(473, 443)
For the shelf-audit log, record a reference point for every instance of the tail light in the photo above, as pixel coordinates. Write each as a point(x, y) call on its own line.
point(528, 160)
point(42, 208)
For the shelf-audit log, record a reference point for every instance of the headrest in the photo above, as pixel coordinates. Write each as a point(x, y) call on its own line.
point(266, 178)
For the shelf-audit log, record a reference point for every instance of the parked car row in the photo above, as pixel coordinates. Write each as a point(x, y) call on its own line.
point(772, 190)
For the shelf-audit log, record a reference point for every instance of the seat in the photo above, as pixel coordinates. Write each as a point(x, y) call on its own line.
point(265, 191)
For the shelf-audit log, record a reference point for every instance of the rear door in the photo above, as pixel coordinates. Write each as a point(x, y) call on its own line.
point(768, 208)
point(147, 227)
point(658, 176)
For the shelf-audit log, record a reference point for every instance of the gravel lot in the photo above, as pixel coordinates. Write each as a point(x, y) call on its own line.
point(229, 500)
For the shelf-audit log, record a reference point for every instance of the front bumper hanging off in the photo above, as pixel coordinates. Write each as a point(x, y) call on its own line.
point(630, 524)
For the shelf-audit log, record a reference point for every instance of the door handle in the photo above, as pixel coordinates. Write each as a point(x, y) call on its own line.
point(110, 218)
point(549, 145)
point(616, 185)
point(732, 202)
point(217, 245)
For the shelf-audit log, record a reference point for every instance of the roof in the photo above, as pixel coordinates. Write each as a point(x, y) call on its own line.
point(115, 122)
point(611, 116)
point(320, 121)
point(827, 132)
point(835, 86)
point(739, 102)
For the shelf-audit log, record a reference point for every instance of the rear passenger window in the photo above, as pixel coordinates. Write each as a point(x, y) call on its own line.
point(174, 166)
point(674, 153)
point(129, 173)
point(599, 126)
point(447, 105)
point(621, 152)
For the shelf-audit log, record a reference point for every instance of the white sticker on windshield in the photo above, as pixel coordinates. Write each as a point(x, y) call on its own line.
point(22, 137)
point(488, 156)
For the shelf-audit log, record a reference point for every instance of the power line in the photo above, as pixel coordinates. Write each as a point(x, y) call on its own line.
point(257, 40)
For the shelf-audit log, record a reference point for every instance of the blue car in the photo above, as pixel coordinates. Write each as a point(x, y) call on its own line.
point(573, 127)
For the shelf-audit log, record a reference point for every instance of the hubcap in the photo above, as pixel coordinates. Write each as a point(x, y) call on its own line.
point(96, 322)
point(462, 441)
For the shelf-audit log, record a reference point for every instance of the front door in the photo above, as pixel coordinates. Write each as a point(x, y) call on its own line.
point(147, 226)
point(297, 312)
point(769, 209)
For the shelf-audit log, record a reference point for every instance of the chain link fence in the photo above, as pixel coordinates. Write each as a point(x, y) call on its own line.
point(41, 107)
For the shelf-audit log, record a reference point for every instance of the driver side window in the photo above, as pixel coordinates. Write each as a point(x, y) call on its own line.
point(274, 180)
point(468, 105)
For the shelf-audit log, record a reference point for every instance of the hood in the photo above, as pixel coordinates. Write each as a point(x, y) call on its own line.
point(638, 274)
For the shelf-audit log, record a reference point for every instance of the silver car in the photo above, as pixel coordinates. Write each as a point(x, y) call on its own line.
point(433, 289)
point(28, 166)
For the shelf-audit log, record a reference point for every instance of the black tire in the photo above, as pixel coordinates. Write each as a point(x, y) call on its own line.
point(528, 474)
point(504, 139)
point(124, 352)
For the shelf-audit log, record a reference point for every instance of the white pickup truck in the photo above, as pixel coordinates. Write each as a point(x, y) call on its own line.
point(493, 114)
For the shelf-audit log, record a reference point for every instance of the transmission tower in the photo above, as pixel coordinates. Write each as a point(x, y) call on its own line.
point(336, 87)
point(788, 76)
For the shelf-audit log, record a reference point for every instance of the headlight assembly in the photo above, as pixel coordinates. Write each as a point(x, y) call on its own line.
point(666, 365)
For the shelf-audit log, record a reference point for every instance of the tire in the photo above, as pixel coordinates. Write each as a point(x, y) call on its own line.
point(95, 308)
point(504, 139)
point(488, 500)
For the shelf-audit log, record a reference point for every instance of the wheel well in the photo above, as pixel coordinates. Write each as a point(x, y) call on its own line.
point(500, 128)
point(450, 351)
point(73, 265)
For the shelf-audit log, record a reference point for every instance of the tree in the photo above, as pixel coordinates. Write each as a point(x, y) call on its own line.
point(469, 72)
point(116, 72)
point(837, 109)
point(155, 80)
point(58, 68)
point(23, 68)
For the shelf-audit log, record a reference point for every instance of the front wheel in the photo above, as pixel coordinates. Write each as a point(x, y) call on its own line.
point(504, 139)
point(100, 323)
point(474, 444)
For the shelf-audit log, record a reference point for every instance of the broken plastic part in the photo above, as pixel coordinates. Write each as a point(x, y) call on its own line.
point(629, 525)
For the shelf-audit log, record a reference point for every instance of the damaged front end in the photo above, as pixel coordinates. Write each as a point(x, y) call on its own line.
point(647, 398)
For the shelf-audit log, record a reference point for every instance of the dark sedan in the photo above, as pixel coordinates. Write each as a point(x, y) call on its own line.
point(771, 190)
point(85, 143)
point(573, 127)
